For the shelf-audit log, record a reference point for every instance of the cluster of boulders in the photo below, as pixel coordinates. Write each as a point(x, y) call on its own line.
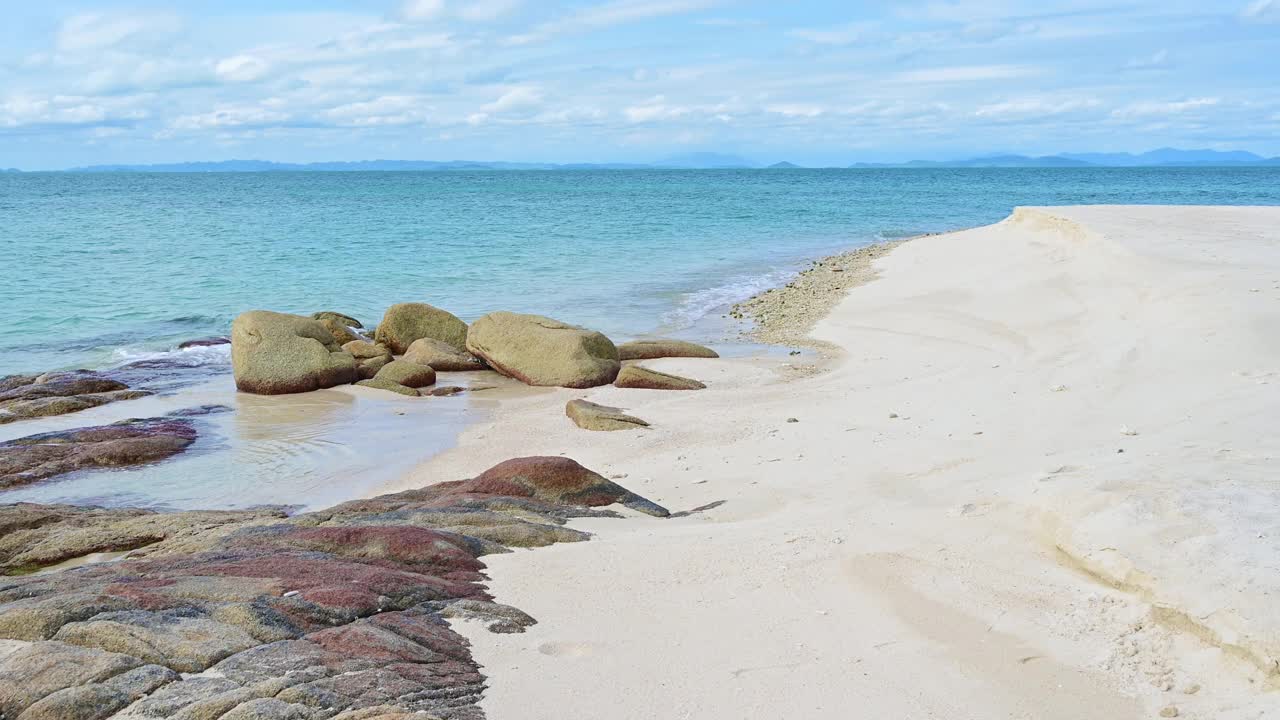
point(274, 353)
point(332, 615)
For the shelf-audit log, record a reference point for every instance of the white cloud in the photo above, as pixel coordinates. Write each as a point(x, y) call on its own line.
point(965, 73)
point(1162, 109)
point(487, 10)
point(1028, 108)
point(654, 109)
point(842, 35)
point(387, 110)
point(24, 110)
point(230, 116)
point(241, 68)
point(1263, 11)
point(422, 10)
point(796, 110)
point(518, 100)
point(89, 32)
point(609, 14)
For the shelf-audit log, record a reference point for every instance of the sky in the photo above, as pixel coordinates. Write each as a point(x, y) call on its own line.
point(812, 82)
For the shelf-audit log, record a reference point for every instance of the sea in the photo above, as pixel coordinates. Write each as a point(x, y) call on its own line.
point(103, 270)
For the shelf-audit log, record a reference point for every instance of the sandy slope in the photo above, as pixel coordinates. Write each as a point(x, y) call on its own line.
point(950, 529)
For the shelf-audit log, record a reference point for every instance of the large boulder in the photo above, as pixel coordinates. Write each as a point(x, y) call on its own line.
point(590, 416)
point(635, 376)
point(441, 356)
point(406, 322)
point(663, 348)
point(537, 350)
point(275, 353)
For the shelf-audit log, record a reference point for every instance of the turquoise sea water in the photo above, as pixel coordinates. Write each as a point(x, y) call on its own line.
point(105, 268)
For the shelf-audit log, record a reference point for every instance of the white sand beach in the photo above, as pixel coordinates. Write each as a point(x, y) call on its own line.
point(1038, 481)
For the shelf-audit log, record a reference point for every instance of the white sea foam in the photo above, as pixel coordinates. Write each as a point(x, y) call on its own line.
point(199, 356)
point(694, 306)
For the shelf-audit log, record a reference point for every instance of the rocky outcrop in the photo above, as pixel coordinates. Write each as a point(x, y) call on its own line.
point(131, 442)
point(30, 396)
point(333, 614)
point(406, 322)
point(590, 416)
point(635, 376)
point(540, 351)
point(663, 348)
point(274, 353)
point(441, 356)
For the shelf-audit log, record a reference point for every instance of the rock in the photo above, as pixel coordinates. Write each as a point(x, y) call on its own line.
point(200, 411)
point(384, 384)
point(663, 348)
point(204, 342)
point(31, 396)
point(346, 320)
point(340, 613)
point(38, 671)
point(365, 350)
point(36, 536)
point(444, 391)
point(634, 376)
point(130, 442)
point(540, 351)
point(342, 333)
point(273, 354)
point(368, 369)
point(408, 374)
point(590, 416)
point(441, 356)
point(406, 322)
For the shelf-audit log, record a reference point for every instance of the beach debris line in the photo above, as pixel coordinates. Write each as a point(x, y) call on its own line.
point(339, 613)
point(591, 416)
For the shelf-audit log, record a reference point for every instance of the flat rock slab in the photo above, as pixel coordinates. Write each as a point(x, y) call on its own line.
point(635, 376)
point(333, 614)
point(131, 442)
point(590, 416)
point(31, 396)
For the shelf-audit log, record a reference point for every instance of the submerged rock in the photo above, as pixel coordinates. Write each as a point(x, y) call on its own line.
point(406, 322)
point(31, 396)
point(663, 348)
point(635, 376)
point(204, 342)
point(274, 353)
point(537, 350)
point(333, 614)
point(442, 356)
point(130, 442)
point(590, 416)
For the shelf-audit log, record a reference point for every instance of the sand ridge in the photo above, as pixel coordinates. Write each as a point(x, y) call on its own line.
point(1035, 483)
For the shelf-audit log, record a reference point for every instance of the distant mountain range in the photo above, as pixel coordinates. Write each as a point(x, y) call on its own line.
point(1164, 157)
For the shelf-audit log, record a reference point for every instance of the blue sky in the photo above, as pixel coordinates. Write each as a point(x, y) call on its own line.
point(630, 80)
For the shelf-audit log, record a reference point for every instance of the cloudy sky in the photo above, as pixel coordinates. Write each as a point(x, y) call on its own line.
point(815, 82)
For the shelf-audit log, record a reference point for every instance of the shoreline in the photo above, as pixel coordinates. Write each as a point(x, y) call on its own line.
point(947, 505)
